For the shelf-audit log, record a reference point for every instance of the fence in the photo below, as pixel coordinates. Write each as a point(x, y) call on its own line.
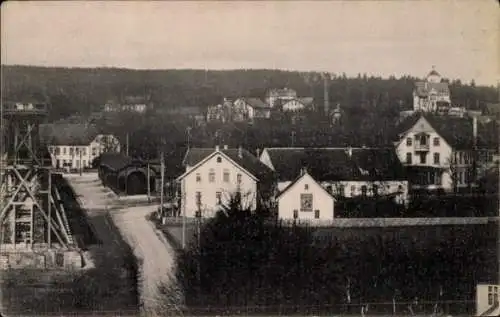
point(430, 308)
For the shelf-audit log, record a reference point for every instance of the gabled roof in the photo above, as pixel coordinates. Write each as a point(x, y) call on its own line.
point(67, 133)
point(301, 176)
point(307, 101)
point(256, 103)
point(433, 73)
point(247, 161)
point(458, 132)
point(423, 88)
point(334, 164)
point(114, 161)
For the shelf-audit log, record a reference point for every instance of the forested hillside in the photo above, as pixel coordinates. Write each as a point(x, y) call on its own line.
point(82, 90)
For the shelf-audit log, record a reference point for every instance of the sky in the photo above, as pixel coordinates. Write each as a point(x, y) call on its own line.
point(460, 38)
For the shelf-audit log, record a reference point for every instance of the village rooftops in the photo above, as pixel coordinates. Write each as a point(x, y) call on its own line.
point(337, 164)
point(240, 156)
point(67, 133)
point(256, 103)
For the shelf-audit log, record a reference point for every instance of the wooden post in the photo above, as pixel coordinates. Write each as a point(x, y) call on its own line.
point(149, 185)
point(49, 211)
point(162, 173)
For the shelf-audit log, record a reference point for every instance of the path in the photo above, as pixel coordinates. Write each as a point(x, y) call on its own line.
point(155, 253)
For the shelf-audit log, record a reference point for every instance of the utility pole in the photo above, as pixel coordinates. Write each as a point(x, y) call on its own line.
point(162, 186)
point(126, 148)
point(149, 184)
point(81, 167)
point(293, 138)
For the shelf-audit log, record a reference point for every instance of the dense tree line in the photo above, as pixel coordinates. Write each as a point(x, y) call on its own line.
point(82, 90)
point(243, 261)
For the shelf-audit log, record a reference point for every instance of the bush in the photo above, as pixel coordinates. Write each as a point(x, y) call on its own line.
point(242, 261)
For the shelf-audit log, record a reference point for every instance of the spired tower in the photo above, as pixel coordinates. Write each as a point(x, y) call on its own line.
point(34, 228)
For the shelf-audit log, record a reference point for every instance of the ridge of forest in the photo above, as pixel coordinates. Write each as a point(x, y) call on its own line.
point(83, 90)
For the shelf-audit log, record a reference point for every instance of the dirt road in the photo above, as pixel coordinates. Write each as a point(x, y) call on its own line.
point(155, 253)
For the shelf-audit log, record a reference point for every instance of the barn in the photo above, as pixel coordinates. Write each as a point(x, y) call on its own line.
point(126, 175)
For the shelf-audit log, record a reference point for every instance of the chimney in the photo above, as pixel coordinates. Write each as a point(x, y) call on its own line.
point(217, 148)
point(303, 171)
point(474, 131)
point(349, 152)
point(240, 152)
point(326, 96)
point(225, 147)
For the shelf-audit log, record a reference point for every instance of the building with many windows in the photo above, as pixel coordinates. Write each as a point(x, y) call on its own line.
point(445, 152)
point(75, 146)
point(431, 95)
point(215, 176)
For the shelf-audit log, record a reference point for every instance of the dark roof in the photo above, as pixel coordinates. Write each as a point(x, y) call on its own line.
point(423, 88)
point(433, 73)
point(247, 161)
point(256, 103)
point(115, 161)
point(334, 164)
point(67, 133)
point(458, 132)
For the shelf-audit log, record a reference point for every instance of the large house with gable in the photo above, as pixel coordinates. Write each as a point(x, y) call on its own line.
point(439, 153)
point(214, 176)
point(343, 172)
point(251, 108)
point(431, 95)
point(75, 146)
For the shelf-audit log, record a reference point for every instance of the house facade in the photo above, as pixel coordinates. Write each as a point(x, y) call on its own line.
point(431, 95)
point(304, 198)
point(75, 146)
point(137, 104)
point(343, 172)
point(280, 96)
point(438, 151)
point(252, 108)
point(215, 176)
point(298, 104)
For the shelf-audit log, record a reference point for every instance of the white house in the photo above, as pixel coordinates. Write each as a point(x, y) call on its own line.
point(298, 104)
point(275, 96)
point(343, 172)
point(214, 176)
point(431, 95)
point(438, 151)
point(253, 108)
point(137, 104)
point(76, 145)
point(304, 198)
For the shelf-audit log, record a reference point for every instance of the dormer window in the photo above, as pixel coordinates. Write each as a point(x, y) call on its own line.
point(219, 159)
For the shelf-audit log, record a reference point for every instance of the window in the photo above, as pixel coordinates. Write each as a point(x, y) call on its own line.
point(364, 190)
point(94, 151)
point(58, 150)
point(295, 214)
point(84, 164)
point(306, 202)
point(409, 141)
point(353, 190)
point(341, 190)
point(375, 189)
point(211, 176)
point(64, 150)
point(219, 159)
point(436, 158)
point(218, 197)
point(225, 176)
point(84, 151)
point(71, 151)
point(316, 214)
point(238, 178)
point(198, 177)
point(77, 151)
point(400, 188)
point(306, 187)
point(423, 158)
point(198, 199)
point(436, 142)
point(408, 158)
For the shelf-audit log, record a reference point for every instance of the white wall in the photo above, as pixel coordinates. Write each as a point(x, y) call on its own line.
point(293, 105)
point(290, 201)
point(88, 152)
point(208, 189)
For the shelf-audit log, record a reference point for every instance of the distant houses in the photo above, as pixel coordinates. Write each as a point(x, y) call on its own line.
point(432, 94)
point(248, 109)
point(138, 104)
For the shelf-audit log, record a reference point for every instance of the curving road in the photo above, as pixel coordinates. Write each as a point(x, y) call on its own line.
point(149, 246)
